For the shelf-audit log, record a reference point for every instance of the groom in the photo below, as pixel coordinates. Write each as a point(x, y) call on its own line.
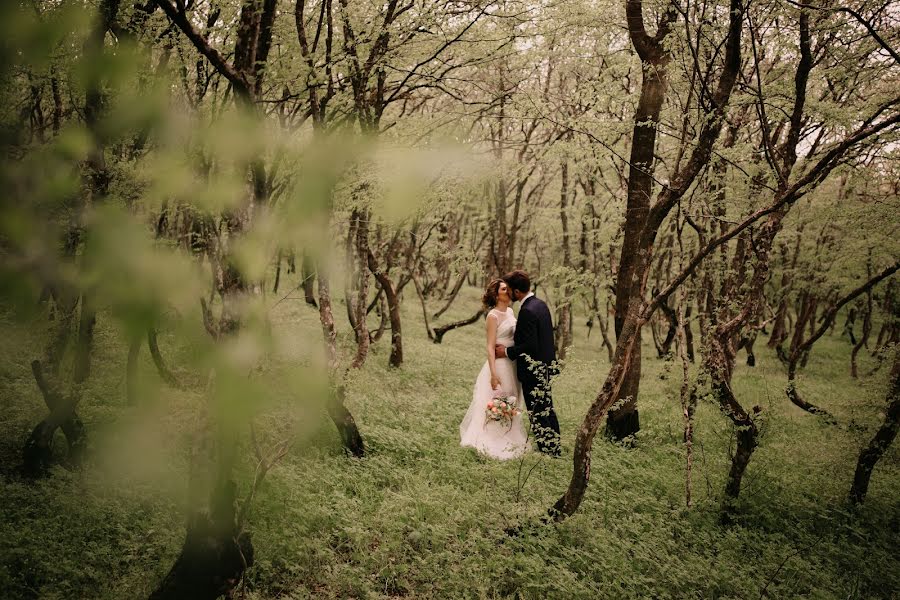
point(534, 353)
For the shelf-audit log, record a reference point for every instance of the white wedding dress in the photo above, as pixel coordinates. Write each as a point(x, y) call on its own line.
point(494, 438)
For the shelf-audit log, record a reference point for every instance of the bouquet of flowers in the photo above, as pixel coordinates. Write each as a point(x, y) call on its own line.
point(502, 407)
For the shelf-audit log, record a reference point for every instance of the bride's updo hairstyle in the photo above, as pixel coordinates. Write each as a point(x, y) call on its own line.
point(489, 298)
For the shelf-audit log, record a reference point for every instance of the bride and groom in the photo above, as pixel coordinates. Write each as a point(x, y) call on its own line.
point(520, 364)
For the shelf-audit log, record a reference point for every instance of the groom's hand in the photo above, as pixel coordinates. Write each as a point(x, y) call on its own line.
point(500, 351)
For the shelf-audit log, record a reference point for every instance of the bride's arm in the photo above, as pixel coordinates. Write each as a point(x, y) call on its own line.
point(492, 323)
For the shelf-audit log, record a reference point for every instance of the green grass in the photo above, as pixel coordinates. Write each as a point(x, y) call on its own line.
point(420, 517)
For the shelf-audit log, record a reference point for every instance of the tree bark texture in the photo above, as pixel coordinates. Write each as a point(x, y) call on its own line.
point(624, 419)
point(361, 219)
point(337, 410)
point(393, 302)
point(882, 440)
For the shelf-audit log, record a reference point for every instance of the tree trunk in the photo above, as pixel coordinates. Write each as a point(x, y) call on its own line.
point(439, 332)
point(688, 401)
point(453, 293)
point(362, 296)
point(384, 318)
point(396, 357)
point(795, 397)
point(848, 325)
point(564, 314)
point(866, 332)
point(95, 178)
point(309, 278)
point(688, 334)
point(638, 311)
point(424, 307)
point(569, 502)
point(164, 372)
point(666, 346)
point(747, 438)
point(277, 272)
point(746, 343)
point(337, 410)
point(883, 439)
point(779, 328)
point(604, 334)
point(624, 420)
point(800, 347)
point(37, 452)
point(215, 553)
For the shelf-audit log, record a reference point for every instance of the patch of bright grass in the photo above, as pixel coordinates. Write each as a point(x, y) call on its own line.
point(421, 517)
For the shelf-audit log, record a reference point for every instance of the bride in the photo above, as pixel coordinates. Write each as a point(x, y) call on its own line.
point(497, 377)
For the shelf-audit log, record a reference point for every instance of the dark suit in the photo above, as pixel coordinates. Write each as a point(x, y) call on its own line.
point(534, 339)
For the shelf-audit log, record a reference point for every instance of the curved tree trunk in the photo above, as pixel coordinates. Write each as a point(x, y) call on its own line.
point(746, 343)
point(800, 347)
point(453, 293)
point(638, 311)
point(393, 302)
point(666, 346)
point(779, 327)
point(95, 180)
point(795, 397)
point(439, 332)
point(164, 372)
point(604, 334)
point(747, 437)
point(885, 435)
point(569, 502)
point(217, 552)
point(345, 423)
point(37, 451)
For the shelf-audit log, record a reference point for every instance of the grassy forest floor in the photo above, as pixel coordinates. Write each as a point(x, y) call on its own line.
point(421, 517)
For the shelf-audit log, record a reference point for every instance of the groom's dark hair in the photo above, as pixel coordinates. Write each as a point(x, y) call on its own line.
point(518, 280)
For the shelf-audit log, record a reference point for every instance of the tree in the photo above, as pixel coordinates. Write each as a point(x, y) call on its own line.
point(638, 309)
point(882, 440)
point(623, 420)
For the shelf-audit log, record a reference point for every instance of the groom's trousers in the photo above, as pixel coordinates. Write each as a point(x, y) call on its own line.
point(544, 423)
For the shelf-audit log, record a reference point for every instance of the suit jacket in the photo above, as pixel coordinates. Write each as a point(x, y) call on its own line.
point(534, 338)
